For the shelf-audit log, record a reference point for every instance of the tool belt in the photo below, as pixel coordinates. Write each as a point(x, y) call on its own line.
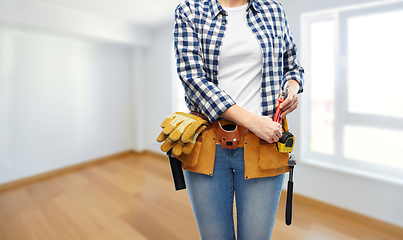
point(262, 159)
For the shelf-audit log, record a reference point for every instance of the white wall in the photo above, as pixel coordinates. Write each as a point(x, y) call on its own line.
point(41, 17)
point(138, 98)
point(159, 86)
point(66, 84)
point(62, 101)
point(351, 190)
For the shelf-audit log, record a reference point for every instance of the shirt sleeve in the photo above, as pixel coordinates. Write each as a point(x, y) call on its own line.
point(291, 67)
point(205, 96)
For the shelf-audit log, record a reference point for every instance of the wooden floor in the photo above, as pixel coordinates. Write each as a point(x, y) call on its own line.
point(132, 197)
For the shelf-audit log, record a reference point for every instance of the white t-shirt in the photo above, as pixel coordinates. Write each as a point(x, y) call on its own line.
point(240, 62)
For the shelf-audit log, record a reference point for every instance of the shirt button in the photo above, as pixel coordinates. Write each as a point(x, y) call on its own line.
point(214, 73)
point(223, 23)
point(217, 45)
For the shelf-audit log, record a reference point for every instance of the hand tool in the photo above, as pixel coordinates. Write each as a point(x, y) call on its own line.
point(281, 99)
point(177, 172)
point(286, 143)
point(288, 207)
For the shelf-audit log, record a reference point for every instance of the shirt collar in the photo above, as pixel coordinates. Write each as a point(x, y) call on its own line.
point(256, 5)
point(215, 7)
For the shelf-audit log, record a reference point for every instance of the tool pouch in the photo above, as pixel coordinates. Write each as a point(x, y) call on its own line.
point(269, 156)
point(191, 159)
point(203, 153)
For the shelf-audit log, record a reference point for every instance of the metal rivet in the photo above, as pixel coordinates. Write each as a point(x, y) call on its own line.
point(245, 143)
point(211, 174)
point(246, 177)
point(246, 131)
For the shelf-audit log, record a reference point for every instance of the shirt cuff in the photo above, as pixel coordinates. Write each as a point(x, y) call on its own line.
point(296, 75)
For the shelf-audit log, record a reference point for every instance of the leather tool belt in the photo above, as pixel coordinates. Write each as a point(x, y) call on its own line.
point(261, 158)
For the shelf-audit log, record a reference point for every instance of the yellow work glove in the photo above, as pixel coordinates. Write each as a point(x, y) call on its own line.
point(167, 144)
point(177, 148)
point(190, 145)
point(180, 126)
point(168, 126)
point(179, 129)
point(180, 147)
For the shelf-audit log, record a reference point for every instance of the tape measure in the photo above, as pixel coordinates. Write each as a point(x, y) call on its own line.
point(286, 143)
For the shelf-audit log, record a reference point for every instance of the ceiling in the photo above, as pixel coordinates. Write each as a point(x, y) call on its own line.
point(142, 12)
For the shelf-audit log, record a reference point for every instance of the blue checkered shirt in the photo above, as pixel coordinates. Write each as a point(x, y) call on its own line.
point(199, 30)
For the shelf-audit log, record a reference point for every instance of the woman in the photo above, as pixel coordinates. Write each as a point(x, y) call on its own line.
point(233, 57)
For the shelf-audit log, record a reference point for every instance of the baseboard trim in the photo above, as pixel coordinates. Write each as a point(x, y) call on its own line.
point(37, 177)
point(159, 155)
point(348, 214)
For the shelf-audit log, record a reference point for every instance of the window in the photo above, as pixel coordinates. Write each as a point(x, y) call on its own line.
point(354, 114)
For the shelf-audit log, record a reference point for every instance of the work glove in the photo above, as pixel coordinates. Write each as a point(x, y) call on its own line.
point(180, 147)
point(188, 147)
point(179, 129)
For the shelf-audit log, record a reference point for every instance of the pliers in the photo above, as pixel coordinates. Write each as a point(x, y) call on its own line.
point(283, 96)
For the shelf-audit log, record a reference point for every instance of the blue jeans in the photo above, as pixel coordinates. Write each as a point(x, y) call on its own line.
point(212, 199)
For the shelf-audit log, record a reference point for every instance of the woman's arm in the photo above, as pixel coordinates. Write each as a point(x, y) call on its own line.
point(263, 127)
point(293, 72)
point(291, 102)
point(205, 96)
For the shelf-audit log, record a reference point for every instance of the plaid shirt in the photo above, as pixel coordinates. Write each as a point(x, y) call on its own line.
point(199, 30)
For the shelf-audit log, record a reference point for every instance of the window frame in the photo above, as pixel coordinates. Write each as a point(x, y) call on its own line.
point(342, 116)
